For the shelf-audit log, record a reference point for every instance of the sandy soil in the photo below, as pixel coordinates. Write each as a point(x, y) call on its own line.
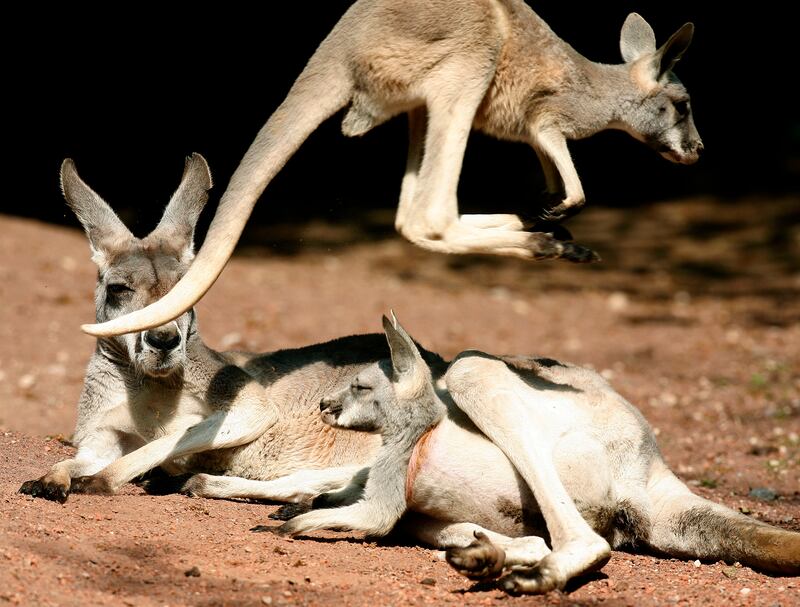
point(693, 315)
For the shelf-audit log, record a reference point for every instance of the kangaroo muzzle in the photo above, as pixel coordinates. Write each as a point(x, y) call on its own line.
point(164, 338)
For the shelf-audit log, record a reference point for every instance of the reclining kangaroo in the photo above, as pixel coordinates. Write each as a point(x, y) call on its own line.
point(454, 65)
point(562, 455)
point(163, 398)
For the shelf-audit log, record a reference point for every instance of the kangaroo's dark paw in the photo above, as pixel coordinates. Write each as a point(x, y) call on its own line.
point(289, 511)
point(55, 492)
point(94, 485)
point(577, 253)
point(545, 246)
point(560, 212)
point(164, 484)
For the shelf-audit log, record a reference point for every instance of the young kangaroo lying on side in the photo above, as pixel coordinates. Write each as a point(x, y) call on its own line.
point(569, 459)
point(454, 65)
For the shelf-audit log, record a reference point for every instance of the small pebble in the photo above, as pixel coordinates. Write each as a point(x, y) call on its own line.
point(744, 591)
point(26, 381)
point(266, 600)
point(428, 581)
point(193, 572)
point(763, 493)
point(696, 564)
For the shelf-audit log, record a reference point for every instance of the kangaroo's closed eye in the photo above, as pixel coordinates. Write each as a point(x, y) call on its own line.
point(117, 289)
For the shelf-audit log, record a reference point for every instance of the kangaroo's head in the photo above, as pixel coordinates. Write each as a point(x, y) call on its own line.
point(655, 107)
point(134, 272)
point(389, 396)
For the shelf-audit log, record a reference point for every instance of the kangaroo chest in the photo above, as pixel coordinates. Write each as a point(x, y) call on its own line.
point(156, 411)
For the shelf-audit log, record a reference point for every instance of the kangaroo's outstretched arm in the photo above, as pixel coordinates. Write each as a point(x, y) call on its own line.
point(551, 147)
point(298, 487)
point(370, 516)
point(101, 426)
point(245, 420)
point(90, 458)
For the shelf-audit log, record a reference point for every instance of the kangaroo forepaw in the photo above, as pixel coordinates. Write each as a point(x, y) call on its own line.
point(164, 484)
point(55, 492)
point(479, 561)
point(561, 211)
point(289, 511)
point(94, 485)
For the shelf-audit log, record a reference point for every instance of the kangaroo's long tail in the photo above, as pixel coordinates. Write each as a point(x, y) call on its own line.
point(323, 88)
point(688, 526)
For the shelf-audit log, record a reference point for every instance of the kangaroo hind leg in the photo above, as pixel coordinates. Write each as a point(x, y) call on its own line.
point(501, 404)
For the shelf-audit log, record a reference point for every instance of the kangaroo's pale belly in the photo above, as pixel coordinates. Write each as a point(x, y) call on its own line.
point(463, 477)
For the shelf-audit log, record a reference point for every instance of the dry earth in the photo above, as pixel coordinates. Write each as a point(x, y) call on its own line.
point(693, 315)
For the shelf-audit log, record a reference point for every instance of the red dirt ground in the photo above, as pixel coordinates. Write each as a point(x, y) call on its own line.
point(693, 315)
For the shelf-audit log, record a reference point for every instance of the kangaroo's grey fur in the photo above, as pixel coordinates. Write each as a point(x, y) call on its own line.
point(454, 65)
point(561, 455)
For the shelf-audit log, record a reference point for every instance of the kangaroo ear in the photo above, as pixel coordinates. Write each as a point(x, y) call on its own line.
point(184, 208)
point(105, 230)
point(637, 38)
point(406, 359)
point(673, 49)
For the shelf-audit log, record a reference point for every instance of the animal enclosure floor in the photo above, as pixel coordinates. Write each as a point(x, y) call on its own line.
point(693, 316)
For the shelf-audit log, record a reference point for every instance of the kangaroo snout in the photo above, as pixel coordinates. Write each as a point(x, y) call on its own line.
point(163, 338)
point(330, 404)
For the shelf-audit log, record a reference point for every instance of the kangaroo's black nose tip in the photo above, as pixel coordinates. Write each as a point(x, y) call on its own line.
point(697, 148)
point(324, 404)
point(162, 339)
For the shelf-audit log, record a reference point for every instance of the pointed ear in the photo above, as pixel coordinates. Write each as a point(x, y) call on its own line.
point(406, 359)
point(637, 38)
point(184, 208)
point(673, 49)
point(105, 230)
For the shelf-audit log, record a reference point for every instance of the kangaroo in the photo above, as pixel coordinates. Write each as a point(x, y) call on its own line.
point(451, 66)
point(529, 449)
point(161, 397)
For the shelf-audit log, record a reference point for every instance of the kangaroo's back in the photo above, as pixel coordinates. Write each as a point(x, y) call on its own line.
point(296, 380)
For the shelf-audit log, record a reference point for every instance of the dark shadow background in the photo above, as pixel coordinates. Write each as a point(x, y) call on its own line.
point(128, 92)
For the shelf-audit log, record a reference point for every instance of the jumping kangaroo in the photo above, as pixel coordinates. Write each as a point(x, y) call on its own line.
point(454, 65)
point(529, 449)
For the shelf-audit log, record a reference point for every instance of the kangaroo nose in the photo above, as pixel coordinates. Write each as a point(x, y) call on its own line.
point(324, 404)
point(699, 147)
point(163, 338)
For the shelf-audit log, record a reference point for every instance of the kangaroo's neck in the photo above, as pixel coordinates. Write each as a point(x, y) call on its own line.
point(597, 102)
point(541, 81)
